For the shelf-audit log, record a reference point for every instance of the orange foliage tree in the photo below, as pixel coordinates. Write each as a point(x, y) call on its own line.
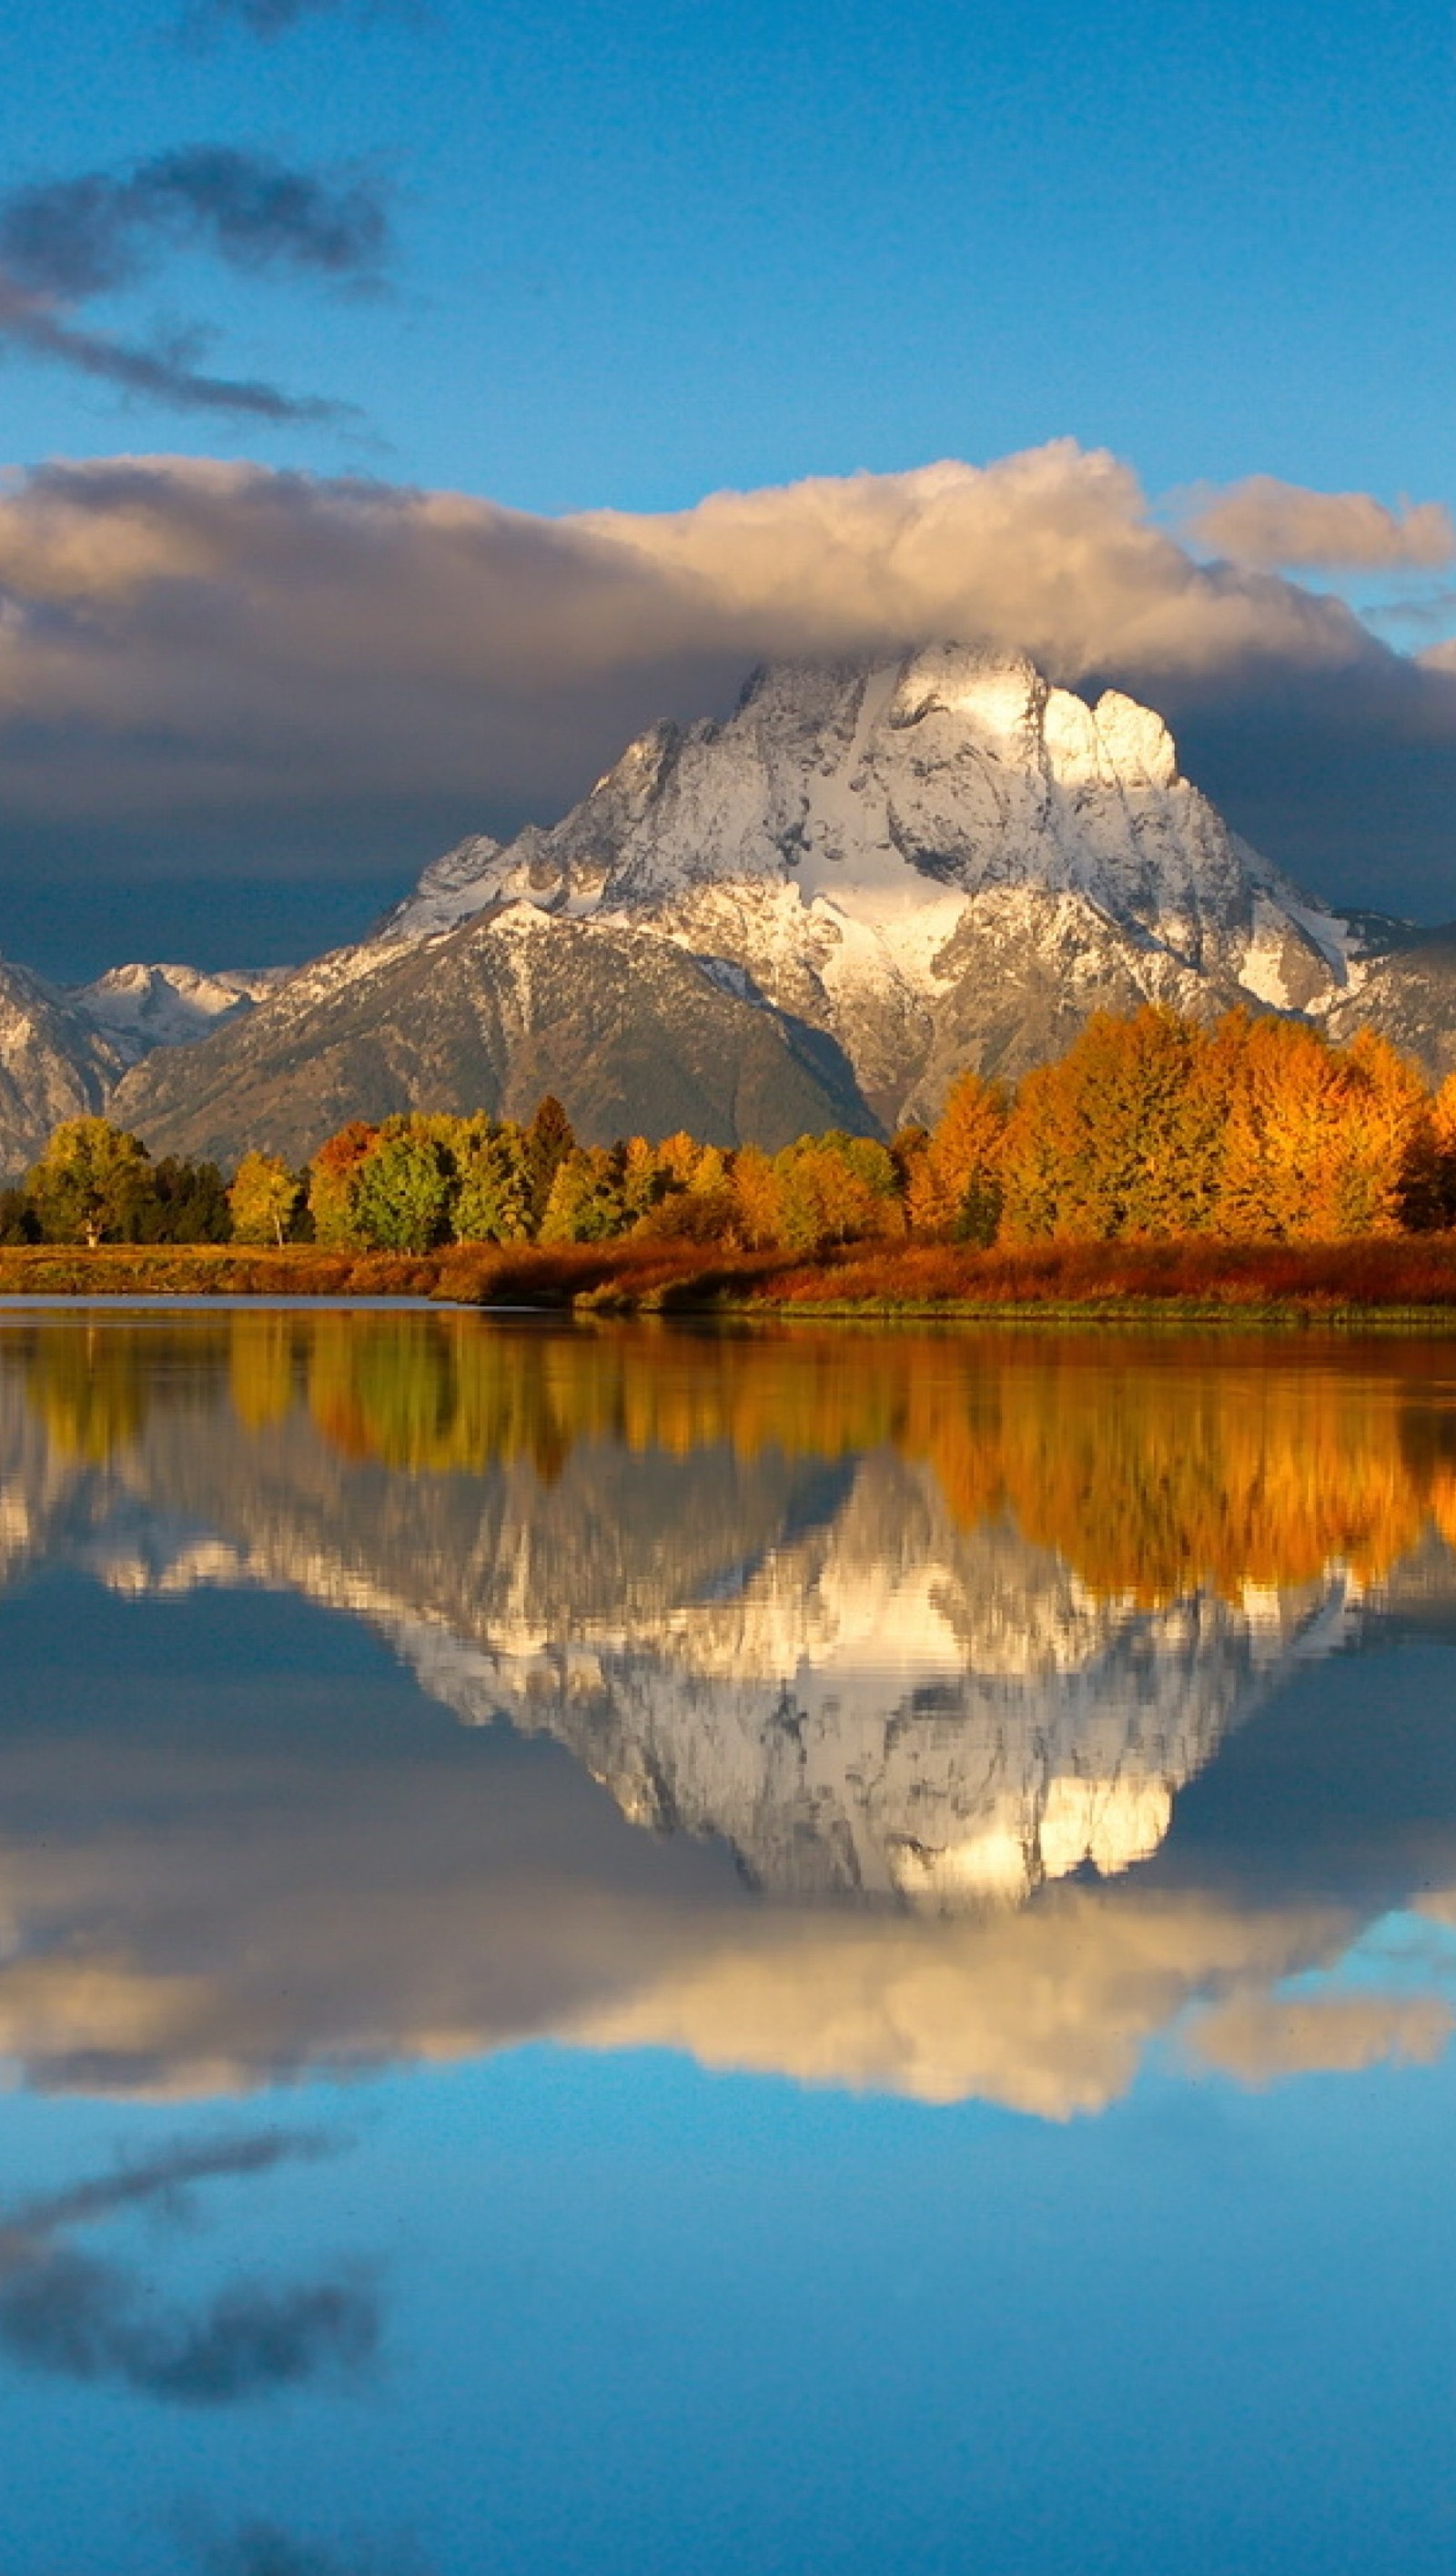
point(953, 1181)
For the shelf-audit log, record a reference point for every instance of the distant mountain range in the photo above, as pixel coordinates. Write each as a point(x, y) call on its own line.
point(813, 914)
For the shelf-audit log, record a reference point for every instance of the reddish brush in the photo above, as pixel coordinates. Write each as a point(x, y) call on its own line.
point(655, 1275)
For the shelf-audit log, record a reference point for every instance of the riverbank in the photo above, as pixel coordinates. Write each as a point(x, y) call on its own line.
point(1411, 1277)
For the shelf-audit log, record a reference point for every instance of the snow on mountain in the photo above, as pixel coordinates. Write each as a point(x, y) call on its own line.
point(934, 861)
point(447, 893)
point(141, 1007)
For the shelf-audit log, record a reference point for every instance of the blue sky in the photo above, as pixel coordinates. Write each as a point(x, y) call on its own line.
point(642, 251)
point(625, 256)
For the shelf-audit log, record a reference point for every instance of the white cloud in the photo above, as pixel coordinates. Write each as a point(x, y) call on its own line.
point(1262, 521)
point(1262, 2038)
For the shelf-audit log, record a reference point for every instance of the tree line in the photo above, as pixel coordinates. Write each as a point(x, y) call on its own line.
point(1256, 1128)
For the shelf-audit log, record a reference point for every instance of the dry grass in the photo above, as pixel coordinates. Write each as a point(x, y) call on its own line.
point(212, 1270)
point(644, 1275)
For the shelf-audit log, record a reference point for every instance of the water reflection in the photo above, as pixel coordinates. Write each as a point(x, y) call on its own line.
point(907, 1650)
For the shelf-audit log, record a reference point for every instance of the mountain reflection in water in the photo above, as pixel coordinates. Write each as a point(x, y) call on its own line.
point(898, 1656)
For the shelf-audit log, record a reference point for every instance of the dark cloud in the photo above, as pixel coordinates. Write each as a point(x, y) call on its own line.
point(197, 658)
point(74, 238)
point(262, 2549)
point(34, 327)
point(66, 2310)
point(67, 240)
point(270, 19)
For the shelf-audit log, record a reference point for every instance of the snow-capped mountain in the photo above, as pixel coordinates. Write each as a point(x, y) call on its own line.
point(141, 1007)
point(863, 809)
point(937, 861)
point(867, 878)
point(63, 1049)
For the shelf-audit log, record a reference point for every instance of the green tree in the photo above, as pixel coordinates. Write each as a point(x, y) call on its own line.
point(588, 1203)
point(492, 1201)
point(90, 1182)
point(264, 1199)
point(400, 1201)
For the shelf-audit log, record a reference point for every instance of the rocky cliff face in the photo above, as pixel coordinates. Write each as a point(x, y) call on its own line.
point(866, 879)
point(1407, 990)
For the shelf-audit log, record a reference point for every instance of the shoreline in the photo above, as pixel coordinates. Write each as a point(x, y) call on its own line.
point(1390, 1284)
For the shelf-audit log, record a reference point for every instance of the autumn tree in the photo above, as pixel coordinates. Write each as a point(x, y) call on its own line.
point(952, 1177)
point(89, 1183)
point(331, 1177)
point(264, 1199)
point(757, 1197)
point(1119, 1137)
point(1321, 1143)
point(587, 1202)
point(835, 1189)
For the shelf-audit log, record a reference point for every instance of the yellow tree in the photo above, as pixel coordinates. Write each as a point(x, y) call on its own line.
point(758, 1197)
point(264, 1199)
point(953, 1183)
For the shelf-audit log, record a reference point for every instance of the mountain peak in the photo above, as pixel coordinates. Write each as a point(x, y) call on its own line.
point(875, 786)
point(869, 876)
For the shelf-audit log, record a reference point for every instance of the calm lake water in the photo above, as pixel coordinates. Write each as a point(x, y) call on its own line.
point(633, 1951)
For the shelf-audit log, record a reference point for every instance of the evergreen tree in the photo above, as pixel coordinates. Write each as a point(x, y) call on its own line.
point(18, 1220)
point(185, 1203)
point(548, 1141)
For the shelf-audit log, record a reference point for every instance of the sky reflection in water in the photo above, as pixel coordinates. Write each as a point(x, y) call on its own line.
point(566, 1899)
